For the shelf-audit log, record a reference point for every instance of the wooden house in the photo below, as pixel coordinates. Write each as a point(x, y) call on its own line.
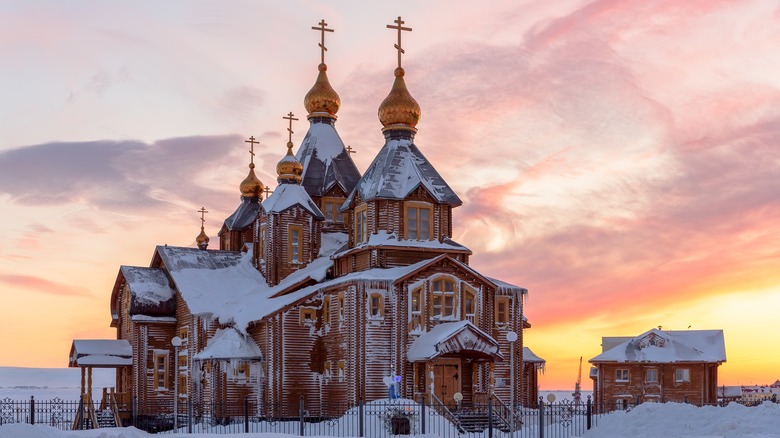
point(658, 366)
point(323, 288)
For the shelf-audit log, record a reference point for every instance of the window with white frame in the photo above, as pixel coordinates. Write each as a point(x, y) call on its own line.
point(682, 375)
point(443, 295)
point(621, 375)
point(469, 303)
point(415, 308)
point(295, 243)
point(376, 305)
point(161, 370)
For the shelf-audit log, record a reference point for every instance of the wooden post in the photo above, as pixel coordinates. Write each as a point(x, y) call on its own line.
point(82, 380)
point(89, 381)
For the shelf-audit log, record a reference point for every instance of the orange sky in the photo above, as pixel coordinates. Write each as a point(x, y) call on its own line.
point(618, 159)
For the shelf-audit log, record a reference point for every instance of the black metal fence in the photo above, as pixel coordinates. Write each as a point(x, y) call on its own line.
point(381, 418)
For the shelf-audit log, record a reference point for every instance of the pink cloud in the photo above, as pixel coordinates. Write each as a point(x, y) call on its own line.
point(42, 285)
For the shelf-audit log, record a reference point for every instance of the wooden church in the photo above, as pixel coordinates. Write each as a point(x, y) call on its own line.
point(327, 285)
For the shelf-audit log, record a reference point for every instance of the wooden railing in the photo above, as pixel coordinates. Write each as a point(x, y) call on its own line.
point(442, 410)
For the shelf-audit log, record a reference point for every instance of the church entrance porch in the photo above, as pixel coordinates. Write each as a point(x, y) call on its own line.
point(445, 380)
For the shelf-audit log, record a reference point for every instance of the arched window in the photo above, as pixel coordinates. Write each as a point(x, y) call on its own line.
point(443, 294)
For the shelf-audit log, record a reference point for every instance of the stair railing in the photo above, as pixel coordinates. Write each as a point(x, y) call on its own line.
point(503, 412)
point(442, 410)
point(115, 408)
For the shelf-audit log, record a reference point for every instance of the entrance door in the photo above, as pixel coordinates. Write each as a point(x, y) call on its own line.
point(446, 379)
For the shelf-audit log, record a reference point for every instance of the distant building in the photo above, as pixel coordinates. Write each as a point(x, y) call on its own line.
point(532, 366)
point(658, 366)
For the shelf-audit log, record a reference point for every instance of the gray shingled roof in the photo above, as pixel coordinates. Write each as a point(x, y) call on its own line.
point(244, 215)
point(325, 160)
point(150, 291)
point(288, 195)
point(398, 170)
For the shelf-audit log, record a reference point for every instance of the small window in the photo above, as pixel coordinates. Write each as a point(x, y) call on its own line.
point(361, 225)
point(502, 310)
point(620, 404)
point(419, 220)
point(341, 306)
point(376, 305)
point(295, 243)
point(308, 317)
point(415, 308)
point(342, 370)
point(469, 303)
point(651, 375)
point(326, 372)
point(261, 243)
point(621, 375)
point(161, 370)
point(331, 209)
point(682, 375)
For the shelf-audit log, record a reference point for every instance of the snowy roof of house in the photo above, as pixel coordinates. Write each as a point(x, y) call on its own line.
point(148, 286)
point(529, 356)
point(289, 195)
point(668, 347)
point(453, 337)
point(325, 160)
point(398, 169)
point(384, 239)
point(228, 343)
point(101, 353)
point(244, 215)
point(227, 287)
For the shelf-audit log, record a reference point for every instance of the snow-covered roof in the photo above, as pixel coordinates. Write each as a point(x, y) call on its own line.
point(244, 215)
point(529, 356)
point(503, 286)
point(149, 288)
point(105, 353)
point(390, 240)
point(398, 169)
point(325, 160)
point(453, 337)
point(288, 195)
point(668, 347)
point(228, 343)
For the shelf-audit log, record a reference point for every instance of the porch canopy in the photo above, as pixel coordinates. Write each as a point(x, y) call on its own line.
point(455, 339)
point(100, 353)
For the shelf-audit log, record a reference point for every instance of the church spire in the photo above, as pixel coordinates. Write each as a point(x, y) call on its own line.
point(251, 186)
point(202, 240)
point(289, 168)
point(322, 100)
point(399, 110)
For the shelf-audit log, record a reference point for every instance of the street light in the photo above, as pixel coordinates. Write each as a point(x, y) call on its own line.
point(176, 342)
point(512, 337)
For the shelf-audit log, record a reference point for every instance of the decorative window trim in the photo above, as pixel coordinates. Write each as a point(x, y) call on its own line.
point(470, 291)
point(308, 316)
point(420, 234)
point(682, 375)
point(295, 253)
point(341, 306)
point(361, 225)
point(506, 316)
point(446, 311)
point(326, 310)
point(622, 375)
point(157, 357)
point(376, 305)
point(330, 206)
point(416, 316)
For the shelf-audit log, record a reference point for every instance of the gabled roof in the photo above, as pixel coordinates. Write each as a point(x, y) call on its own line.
point(244, 215)
point(100, 353)
point(383, 239)
point(228, 343)
point(659, 346)
point(289, 195)
point(530, 357)
point(325, 160)
point(398, 170)
point(461, 337)
point(150, 292)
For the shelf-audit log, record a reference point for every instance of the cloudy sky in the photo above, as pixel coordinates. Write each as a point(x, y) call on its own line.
point(620, 159)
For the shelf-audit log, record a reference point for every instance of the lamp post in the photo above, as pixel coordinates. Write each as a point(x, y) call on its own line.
point(512, 337)
point(176, 342)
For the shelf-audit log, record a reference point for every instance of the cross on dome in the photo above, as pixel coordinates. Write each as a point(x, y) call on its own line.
point(322, 28)
point(398, 27)
point(202, 212)
point(252, 142)
point(290, 117)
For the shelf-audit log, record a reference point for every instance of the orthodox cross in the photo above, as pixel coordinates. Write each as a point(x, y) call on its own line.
point(399, 28)
point(268, 191)
point(202, 212)
point(350, 150)
point(290, 118)
point(323, 28)
point(252, 142)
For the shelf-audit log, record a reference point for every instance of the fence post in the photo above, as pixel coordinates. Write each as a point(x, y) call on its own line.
point(301, 415)
point(246, 414)
point(32, 409)
point(541, 417)
point(134, 411)
point(360, 418)
point(189, 415)
point(422, 422)
point(490, 417)
point(588, 412)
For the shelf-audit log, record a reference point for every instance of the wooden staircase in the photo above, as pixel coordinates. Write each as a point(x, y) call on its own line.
point(477, 418)
point(107, 415)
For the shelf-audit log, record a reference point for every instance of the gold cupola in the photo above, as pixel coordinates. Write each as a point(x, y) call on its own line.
point(202, 240)
point(399, 110)
point(251, 186)
point(289, 168)
point(322, 100)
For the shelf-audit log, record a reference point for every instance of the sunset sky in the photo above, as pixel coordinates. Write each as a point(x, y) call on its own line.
point(619, 159)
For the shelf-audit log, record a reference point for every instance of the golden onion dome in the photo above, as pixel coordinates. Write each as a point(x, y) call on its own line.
point(202, 240)
point(289, 168)
point(322, 100)
point(399, 110)
point(251, 186)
